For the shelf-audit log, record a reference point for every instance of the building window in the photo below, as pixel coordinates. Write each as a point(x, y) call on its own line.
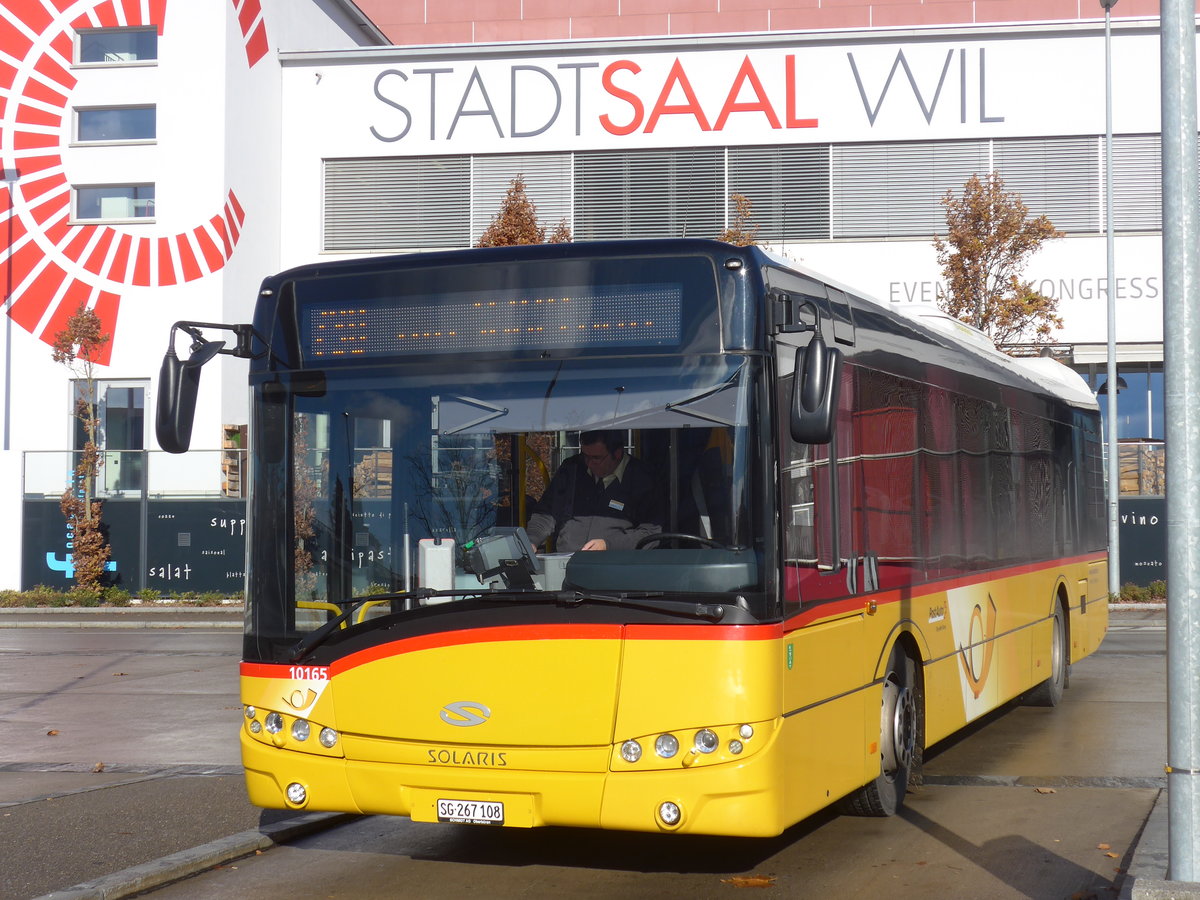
point(114, 202)
point(116, 46)
point(788, 188)
point(1055, 177)
point(1140, 400)
point(811, 192)
point(1137, 182)
point(649, 193)
point(118, 123)
point(896, 190)
point(120, 411)
point(397, 203)
point(547, 178)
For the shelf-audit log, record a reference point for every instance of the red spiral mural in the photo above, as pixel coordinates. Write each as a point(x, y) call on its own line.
point(49, 266)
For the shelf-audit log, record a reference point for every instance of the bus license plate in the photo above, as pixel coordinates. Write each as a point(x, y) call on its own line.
point(470, 812)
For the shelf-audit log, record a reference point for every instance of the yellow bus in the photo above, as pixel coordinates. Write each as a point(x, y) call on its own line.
point(865, 529)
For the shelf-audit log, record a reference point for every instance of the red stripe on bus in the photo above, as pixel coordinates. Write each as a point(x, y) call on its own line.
point(468, 636)
point(921, 589)
point(475, 636)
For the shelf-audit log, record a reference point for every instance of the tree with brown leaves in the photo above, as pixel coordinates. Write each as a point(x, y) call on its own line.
point(77, 347)
point(517, 222)
point(989, 241)
point(739, 232)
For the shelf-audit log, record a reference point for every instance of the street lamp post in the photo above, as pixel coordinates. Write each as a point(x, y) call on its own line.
point(10, 178)
point(1114, 462)
point(1181, 369)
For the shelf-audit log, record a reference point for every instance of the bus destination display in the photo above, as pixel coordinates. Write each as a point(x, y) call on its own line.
point(617, 316)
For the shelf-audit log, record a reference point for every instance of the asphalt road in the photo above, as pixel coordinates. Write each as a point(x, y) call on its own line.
point(1018, 807)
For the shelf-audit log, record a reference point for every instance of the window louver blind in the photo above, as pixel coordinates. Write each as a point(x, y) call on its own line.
point(1056, 177)
point(547, 183)
point(895, 190)
point(649, 193)
point(788, 187)
point(1136, 182)
point(397, 203)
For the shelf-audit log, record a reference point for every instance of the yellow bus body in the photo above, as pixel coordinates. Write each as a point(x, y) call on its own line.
point(560, 700)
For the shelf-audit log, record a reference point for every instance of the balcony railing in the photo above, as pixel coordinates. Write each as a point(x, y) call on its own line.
point(129, 474)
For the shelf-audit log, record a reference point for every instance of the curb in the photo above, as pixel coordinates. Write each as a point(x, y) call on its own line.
point(1151, 859)
point(227, 616)
point(176, 866)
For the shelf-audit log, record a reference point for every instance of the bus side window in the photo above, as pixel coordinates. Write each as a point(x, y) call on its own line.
point(818, 526)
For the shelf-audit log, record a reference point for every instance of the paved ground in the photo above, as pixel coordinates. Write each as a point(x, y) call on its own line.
point(161, 808)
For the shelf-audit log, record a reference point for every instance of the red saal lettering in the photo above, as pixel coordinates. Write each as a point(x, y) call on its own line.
point(746, 95)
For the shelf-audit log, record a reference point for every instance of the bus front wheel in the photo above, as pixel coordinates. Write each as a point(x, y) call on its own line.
point(900, 741)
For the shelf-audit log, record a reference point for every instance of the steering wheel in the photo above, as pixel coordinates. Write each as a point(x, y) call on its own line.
point(661, 536)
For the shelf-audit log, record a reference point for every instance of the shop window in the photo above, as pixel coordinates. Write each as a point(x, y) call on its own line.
point(120, 411)
point(114, 202)
point(117, 123)
point(116, 46)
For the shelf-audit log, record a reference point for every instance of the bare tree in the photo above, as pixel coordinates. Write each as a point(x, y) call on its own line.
point(739, 232)
point(77, 347)
point(517, 222)
point(989, 241)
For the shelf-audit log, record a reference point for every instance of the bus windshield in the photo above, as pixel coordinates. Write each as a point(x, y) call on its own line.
point(385, 479)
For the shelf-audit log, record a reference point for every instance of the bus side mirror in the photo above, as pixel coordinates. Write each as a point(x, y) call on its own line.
point(178, 384)
point(814, 392)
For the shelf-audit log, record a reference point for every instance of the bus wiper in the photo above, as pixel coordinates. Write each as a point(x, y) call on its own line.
point(314, 639)
point(712, 612)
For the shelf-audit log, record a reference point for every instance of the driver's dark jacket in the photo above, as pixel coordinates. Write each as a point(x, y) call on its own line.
point(576, 508)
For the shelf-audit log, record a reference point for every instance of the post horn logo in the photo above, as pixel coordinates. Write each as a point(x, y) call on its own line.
point(465, 713)
point(977, 669)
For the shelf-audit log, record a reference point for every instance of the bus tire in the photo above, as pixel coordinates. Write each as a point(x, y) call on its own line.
point(1050, 691)
point(900, 741)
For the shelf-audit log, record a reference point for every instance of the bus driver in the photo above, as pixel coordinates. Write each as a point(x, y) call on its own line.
point(600, 499)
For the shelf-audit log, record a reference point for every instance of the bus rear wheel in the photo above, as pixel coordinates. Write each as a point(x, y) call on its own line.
point(900, 741)
point(1050, 691)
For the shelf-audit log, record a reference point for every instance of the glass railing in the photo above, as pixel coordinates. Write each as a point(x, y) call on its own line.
point(128, 474)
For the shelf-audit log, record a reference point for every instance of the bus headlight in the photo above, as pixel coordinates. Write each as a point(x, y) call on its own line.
point(666, 746)
point(296, 794)
point(274, 723)
point(669, 813)
point(328, 738)
point(301, 730)
point(631, 751)
point(706, 740)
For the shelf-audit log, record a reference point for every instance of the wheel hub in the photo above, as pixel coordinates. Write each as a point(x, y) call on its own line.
point(899, 726)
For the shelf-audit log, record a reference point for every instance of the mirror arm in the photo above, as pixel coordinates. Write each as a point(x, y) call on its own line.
point(244, 333)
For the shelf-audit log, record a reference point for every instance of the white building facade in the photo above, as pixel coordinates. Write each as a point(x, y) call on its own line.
point(304, 138)
point(139, 143)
